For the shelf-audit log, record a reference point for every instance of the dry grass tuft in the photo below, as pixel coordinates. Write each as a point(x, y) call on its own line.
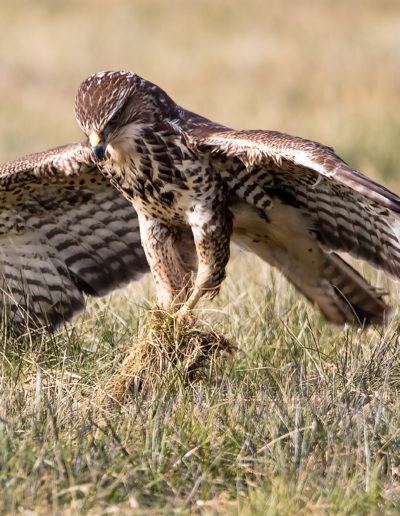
point(163, 351)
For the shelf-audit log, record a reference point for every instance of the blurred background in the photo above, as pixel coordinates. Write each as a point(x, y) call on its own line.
point(328, 70)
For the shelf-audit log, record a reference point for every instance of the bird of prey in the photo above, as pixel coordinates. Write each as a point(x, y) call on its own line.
point(157, 187)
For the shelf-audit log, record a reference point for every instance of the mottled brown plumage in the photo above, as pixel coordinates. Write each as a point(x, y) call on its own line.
point(191, 186)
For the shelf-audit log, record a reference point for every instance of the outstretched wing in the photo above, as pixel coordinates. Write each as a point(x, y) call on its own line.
point(295, 203)
point(346, 210)
point(64, 231)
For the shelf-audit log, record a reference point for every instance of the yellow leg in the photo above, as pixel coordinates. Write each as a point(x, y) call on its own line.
point(184, 312)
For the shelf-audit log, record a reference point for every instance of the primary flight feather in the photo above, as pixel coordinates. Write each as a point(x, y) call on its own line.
point(156, 187)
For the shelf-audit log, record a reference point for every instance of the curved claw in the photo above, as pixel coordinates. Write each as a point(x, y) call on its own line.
point(184, 313)
point(183, 316)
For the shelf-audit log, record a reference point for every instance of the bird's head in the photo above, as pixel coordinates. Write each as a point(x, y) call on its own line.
point(108, 102)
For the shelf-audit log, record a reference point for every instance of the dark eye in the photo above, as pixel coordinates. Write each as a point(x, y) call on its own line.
point(116, 116)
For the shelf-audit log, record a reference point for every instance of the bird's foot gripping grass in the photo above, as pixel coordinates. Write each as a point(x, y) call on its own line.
point(166, 350)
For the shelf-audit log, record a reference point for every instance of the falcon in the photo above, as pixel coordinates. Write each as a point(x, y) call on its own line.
point(157, 187)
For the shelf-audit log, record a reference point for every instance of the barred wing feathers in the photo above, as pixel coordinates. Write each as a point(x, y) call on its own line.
point(64, 231)
point(316, 198)
point(348, 211)
point(255, 147)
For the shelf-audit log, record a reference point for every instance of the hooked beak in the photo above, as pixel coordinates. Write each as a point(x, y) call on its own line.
point(98, 146)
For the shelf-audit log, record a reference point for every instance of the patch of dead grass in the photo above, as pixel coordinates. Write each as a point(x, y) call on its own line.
point(165, 350)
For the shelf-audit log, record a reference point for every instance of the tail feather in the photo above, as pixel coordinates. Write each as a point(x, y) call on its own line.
point(281, 239)
point(344, 296)
point(359, 301)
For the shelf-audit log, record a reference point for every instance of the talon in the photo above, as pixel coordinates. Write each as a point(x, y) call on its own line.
point(183, 316)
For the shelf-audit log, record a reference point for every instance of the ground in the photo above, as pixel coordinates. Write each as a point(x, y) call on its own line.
point(303, 418)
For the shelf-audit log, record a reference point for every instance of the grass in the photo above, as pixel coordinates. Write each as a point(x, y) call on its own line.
point(163, 350)
point(303, 418)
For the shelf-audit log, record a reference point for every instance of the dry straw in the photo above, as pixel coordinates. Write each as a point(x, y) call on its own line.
point(165, 350)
